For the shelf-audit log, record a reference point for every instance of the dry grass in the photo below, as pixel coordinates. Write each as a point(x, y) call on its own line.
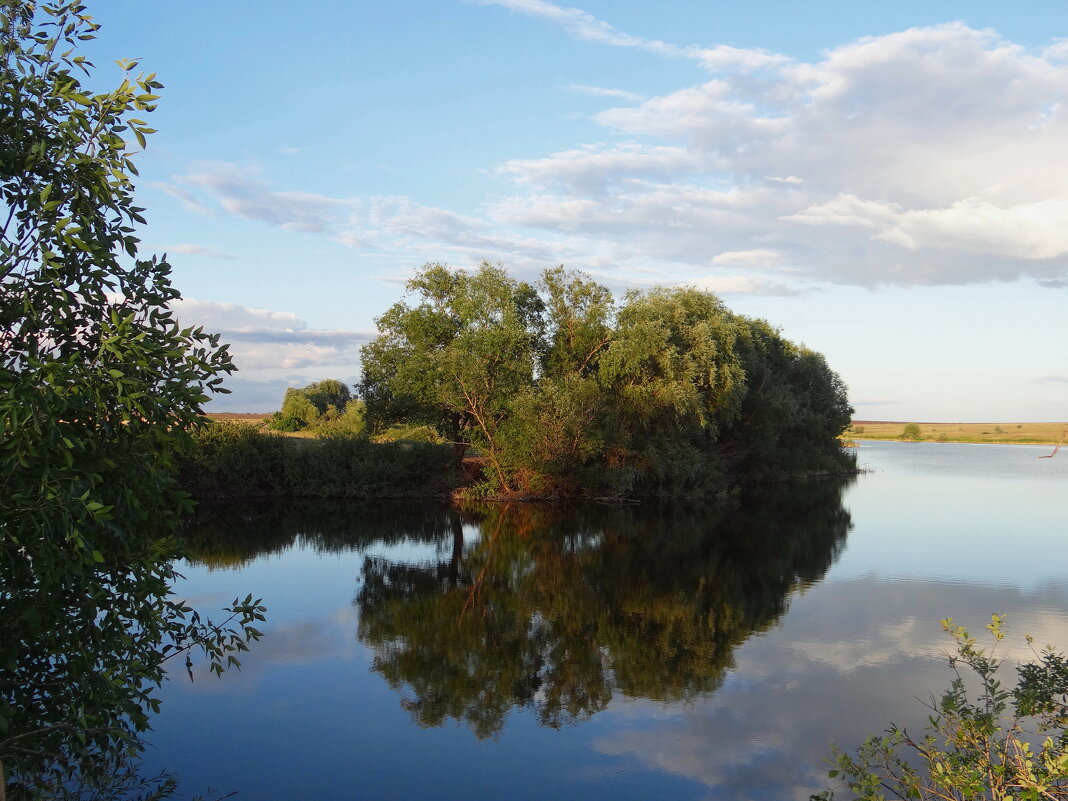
point(238, 417)
point(1022, 433)
point(260, 420)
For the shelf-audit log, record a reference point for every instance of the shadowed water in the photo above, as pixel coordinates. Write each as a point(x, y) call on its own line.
point(686, 651)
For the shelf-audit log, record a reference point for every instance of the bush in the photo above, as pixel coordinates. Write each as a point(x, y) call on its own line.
point(912, 432)
point(999, 744)
point(233, 460)
point(410, 433)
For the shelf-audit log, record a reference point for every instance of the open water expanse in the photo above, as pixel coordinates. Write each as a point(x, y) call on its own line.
point(686, 651)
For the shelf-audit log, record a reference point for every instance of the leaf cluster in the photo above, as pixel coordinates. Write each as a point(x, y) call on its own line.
point(983, 740)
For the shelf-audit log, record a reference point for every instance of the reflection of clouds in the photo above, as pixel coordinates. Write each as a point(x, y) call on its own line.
point(851, 657)
point(291, 643)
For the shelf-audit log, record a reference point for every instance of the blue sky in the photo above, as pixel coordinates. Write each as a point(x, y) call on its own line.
point(888, 183)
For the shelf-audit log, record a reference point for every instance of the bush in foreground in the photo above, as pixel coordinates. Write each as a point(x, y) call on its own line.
point(998, 744)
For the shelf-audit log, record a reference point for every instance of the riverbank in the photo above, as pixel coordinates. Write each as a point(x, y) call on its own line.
point(235, 458)
point(989, 433)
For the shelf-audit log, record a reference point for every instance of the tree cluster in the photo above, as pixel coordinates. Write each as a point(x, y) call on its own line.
point(326, 404)
point(563, 391)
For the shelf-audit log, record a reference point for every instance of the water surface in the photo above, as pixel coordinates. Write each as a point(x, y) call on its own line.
point(687, 651)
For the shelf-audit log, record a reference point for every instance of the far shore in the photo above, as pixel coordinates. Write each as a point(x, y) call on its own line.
point(991, 433)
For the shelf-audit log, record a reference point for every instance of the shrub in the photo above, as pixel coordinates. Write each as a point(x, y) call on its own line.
point(998, 744)
point(912, 432)
point(231, 460)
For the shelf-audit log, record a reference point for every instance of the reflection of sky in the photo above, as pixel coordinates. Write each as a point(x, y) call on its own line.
point(848, 658)
point(939, 530)
point(958, 512)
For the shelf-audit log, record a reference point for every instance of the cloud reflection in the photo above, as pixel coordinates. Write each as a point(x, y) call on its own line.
point(848, 659)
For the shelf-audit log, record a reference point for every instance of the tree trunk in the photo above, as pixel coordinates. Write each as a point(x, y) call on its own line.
point(454, 562)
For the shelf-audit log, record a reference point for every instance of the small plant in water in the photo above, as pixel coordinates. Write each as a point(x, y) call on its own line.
point(999, 744)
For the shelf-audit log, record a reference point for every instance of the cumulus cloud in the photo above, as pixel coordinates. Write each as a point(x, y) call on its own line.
point(929, 156)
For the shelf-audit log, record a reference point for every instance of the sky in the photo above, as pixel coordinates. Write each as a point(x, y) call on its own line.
point(887, 183)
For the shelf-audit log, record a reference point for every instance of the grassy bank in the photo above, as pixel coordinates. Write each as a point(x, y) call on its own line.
point(994, 433)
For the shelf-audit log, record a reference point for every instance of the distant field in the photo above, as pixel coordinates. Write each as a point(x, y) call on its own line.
point(239, 417)
point(1022, 433)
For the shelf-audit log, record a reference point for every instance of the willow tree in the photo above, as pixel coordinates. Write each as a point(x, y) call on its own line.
point(566, 394)
point(456, 357)
point(98, 386)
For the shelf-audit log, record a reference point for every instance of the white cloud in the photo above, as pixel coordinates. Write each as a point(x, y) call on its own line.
point(244, 193)
point(198, 250)
point(586, 27)
point(930, 156)
point(583, 25)
point(757, 256)
point(261, 339)
point(598, 91)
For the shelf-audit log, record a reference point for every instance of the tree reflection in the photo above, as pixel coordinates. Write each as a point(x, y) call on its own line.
point(230, 535)
point(554, 610)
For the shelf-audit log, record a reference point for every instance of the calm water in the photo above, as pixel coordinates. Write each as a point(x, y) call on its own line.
point(683, 652)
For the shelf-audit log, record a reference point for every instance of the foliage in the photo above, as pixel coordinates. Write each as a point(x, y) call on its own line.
point(457, 359)
point(99, 386)
point(912, 432)
point(322, 405)
point(564, 393)
point(410, 433)
point(233, 460)
point(996, 744)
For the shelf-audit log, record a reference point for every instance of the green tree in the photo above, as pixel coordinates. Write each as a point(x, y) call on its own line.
point(457, 358)
point(565, 394)
point(676, 380)
point(325, 402)
point(326, 393)
point(297, 411)
point(99, 385)
point(912, 432)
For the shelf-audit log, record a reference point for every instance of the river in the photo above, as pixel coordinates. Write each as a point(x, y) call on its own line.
point(688, 651)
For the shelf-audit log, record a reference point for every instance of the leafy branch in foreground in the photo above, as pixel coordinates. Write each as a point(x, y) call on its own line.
point(983, 742)
point(217, 640)
point(100, 387)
